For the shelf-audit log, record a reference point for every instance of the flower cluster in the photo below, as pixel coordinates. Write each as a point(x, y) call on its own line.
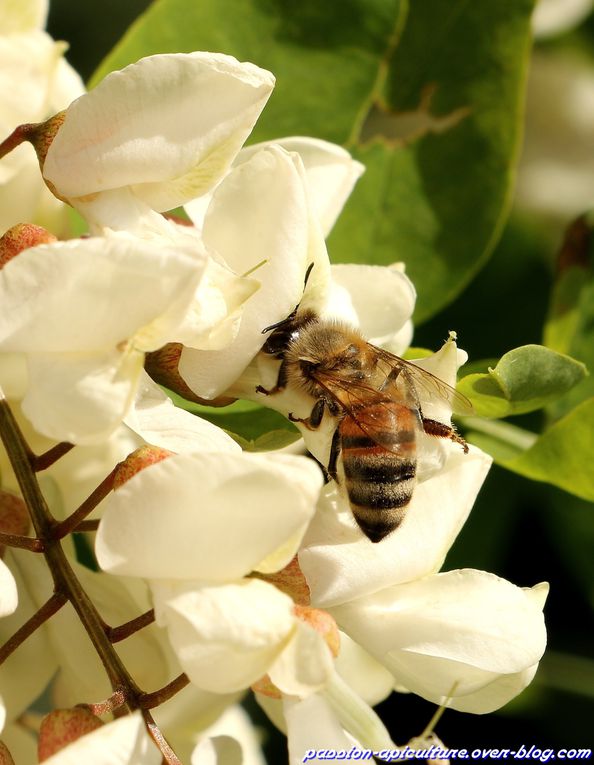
point(257, 572)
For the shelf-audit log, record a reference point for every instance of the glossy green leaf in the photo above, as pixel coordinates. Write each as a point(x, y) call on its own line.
point(441, 147)
point(427, 95)
point(562, 455)
point(524, 379)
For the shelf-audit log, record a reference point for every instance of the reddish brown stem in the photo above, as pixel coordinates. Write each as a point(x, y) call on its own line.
point(115, 701)
point(150, 700)
point(25, 543)
point(115, 634)
point(169, 756)
point(16, 138)
point(49, 608)
point(73, 521)
point(43, 461)
point(87, 526)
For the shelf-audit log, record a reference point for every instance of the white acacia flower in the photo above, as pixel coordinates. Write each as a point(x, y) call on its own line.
point(8, 591)
point(154, 135)
point(85, 312)
point(553, 17)
point(302, 185)
point(466, 634)
point(195, 526)
point(35, 82)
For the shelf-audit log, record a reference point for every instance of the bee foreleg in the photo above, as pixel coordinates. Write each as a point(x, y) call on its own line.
point(334, 454)
point(281, 382)
point(439, 429)
point(315, 418)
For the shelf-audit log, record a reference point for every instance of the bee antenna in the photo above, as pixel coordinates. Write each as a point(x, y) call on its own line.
point(293, 313)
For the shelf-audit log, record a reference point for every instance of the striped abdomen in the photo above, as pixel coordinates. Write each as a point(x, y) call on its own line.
point(379, 479)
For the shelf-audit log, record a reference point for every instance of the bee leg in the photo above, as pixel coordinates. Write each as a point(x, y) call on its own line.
point(315, 418)
point(392, 376)
point(334, 454)
point(439, 429)
point(281, 382)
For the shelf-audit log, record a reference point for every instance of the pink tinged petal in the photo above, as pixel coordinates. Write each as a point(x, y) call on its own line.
point(158, 422)
point(259, 212)
point(449, 634)
point(212, 516)
point(305, 665)
point(121, 742)
point(383, 299)
point(8, 591)
point(341, 564)
point(94, 294)
point(226, 637)
point(330, 171)
point(168, 126)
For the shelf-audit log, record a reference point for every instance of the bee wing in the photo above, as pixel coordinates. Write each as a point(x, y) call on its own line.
point(397, 372)
point(370, 409)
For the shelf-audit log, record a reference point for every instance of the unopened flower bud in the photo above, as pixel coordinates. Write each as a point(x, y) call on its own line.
point(63, 726)
point(140, 459)
point(162, 366)
point(291, 581)
point(14, 516)
point(40, 135)
point(5, 755)
point(21, 237)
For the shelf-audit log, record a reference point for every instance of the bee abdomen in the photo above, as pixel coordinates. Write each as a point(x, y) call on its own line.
point(379, 482)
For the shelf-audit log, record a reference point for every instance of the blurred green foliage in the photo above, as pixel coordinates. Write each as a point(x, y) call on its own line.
point(430, 97)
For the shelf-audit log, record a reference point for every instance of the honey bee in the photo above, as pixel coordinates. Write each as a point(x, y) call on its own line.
point(375, 398)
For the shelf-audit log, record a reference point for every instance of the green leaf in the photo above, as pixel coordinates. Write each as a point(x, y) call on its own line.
point(441, 147)
point(524, 379)
point(429, 99)
point(254, 427)
point(561, 456)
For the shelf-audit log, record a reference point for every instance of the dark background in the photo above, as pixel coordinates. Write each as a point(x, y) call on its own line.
point(520, 530)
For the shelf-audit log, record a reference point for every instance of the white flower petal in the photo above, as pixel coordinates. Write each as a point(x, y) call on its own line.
point(95, 293)
point(341, 564)
point(383, 298)
point(553, 17)
point(258, 213)
point(448, 634)
point(212, 516)
point(444, 365)
point(364, 674)
point(121, 742)
point(78, 398)
point(159, 422)
point(330, 170)
point(225, 637)
point(305, 665)
point(501, 690)
point(23, 16)
point(8, 592)
point(234, 724)
point(168, 126)
point(312, 726)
